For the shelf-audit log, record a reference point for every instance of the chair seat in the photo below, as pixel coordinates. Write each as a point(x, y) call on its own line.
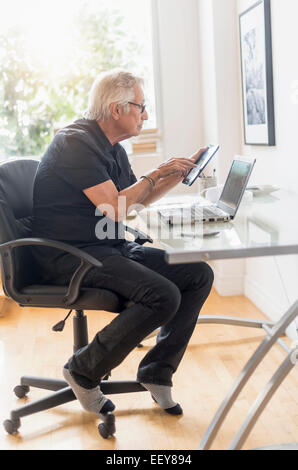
point(90, 298)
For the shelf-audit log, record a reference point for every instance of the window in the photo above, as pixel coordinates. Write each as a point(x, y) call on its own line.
point(50, 53)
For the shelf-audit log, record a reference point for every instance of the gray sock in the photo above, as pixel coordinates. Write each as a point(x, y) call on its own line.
point(91, 399)
point(162, 394)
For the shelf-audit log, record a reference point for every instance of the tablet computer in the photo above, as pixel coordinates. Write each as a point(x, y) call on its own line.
point(202, 162)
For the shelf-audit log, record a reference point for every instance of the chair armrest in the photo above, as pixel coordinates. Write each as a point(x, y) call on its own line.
point(87, 262)
point(52, 244)
point(140, 237)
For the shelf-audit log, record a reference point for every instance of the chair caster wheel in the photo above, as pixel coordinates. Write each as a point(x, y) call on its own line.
point(21, 390)
point(11, 426)
point(107, 428)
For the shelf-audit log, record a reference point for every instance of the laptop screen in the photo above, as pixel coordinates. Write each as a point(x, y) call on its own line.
point(235, 185)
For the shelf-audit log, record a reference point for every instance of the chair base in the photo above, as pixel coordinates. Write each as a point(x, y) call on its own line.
point(63, 394)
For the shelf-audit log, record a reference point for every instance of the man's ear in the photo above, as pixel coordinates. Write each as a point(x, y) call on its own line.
point(115, 110)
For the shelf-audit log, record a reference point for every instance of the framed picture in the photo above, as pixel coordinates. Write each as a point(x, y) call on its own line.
point(257, 74)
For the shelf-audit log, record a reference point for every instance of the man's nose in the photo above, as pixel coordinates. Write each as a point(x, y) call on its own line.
point(145, 115)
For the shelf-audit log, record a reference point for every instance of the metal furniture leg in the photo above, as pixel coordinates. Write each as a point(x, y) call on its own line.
point(235, 321)
point(271, 338)
point(261, 402)
point(225, 320)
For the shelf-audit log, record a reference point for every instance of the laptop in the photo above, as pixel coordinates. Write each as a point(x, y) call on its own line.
point(227, 205)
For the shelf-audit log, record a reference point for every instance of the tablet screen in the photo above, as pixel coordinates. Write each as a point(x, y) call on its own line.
point(202, 163)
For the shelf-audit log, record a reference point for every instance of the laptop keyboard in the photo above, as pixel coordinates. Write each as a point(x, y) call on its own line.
point(199, 212)
point(195, 213)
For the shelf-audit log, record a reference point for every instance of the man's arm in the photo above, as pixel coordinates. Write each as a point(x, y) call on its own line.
point(162, 187)
point(116, 205)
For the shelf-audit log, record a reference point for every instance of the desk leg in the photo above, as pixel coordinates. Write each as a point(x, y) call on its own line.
point(225, 320)
point(272, 337)
point(244, 322)
point(261, 402)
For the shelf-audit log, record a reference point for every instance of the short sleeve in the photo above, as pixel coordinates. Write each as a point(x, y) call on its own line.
point(77, 162)
point(132, 177)
point(126, 169)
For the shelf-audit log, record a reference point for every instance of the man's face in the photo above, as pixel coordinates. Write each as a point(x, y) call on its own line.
point(132, 122)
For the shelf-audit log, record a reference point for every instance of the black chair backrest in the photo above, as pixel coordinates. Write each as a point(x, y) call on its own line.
point(16, 211)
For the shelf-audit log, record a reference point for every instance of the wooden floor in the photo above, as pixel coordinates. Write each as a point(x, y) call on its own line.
point(215, 356)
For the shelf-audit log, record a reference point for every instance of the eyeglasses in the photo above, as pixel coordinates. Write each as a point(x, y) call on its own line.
point(141, 106)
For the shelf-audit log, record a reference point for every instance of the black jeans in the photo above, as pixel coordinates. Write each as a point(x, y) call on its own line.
point(166, 296)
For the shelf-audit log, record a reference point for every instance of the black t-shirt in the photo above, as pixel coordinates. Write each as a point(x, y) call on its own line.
point(80, 156)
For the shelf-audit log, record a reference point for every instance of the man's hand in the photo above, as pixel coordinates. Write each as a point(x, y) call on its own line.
point(175, 166)
point(195, 157)
point(179, 167)
point(169, 174)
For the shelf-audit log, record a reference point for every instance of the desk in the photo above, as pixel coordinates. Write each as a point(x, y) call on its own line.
point(266, 227)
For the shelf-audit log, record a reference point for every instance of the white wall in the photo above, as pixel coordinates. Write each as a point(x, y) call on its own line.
point(221, 95)
point(177, 28)
point(191, 69)
point(279, 165)
point(178, 91)
point(197, 66)
point(220, 79)
point(272, 283)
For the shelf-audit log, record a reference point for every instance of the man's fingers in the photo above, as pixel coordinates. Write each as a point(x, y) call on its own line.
point(184, 170)
point(181, 169)
point(185, 161)
point(196, 155)
point(180, 166)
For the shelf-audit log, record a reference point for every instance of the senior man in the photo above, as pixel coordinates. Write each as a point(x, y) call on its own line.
point(83, 169)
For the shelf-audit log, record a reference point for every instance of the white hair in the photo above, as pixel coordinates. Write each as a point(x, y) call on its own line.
point(115, 86)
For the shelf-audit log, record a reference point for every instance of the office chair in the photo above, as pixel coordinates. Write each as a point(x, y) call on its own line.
point(20, 283)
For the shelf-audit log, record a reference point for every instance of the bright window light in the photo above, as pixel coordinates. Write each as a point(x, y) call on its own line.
point(50, 53)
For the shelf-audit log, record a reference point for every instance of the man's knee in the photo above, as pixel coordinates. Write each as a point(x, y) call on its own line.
point(207, 273)
point(165, 301)
point(201, 275)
